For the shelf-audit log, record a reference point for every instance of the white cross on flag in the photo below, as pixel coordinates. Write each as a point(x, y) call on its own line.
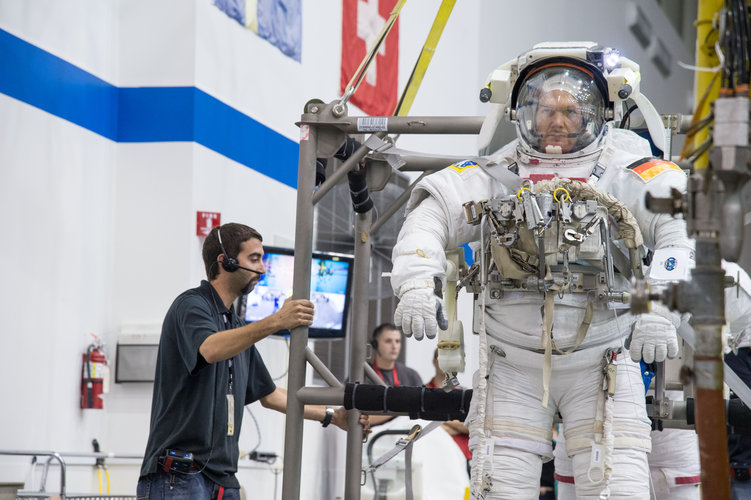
point(362, 21)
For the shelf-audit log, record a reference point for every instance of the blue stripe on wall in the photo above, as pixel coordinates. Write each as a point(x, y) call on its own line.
point(142, 114)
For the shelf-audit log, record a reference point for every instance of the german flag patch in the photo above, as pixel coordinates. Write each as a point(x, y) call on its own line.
point(460, 166)
point(649, 168)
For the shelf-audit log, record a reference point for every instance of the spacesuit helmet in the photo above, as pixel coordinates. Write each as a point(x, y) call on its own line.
point(559, 109)
point(560, 95)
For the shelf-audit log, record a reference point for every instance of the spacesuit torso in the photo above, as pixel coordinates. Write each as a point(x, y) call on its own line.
point(513, 311)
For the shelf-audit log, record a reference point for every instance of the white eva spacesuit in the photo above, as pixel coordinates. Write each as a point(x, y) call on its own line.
point(552, 278)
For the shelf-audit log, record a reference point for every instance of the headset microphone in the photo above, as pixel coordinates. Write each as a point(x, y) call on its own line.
point(230, 264)
point(248, 269)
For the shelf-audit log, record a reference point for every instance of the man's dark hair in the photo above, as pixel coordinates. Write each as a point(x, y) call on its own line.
point(382, 328)
point(233, 235)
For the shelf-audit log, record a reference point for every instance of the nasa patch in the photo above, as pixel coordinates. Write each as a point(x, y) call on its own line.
point(671, 264)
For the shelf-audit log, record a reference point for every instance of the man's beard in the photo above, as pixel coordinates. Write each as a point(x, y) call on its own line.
point(248, 288)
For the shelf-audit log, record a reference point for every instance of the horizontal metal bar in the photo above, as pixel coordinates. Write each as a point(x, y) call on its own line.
point(321, 395)
point(428, 164)
point(399, 124)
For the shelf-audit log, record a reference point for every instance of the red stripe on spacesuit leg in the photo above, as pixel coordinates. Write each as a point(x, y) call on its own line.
point(688, 480)
point(563, 479)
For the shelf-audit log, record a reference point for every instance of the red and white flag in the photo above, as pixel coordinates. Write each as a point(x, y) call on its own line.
point(362, 21)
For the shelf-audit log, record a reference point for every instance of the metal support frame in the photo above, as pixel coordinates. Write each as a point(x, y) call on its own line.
point(323, 127)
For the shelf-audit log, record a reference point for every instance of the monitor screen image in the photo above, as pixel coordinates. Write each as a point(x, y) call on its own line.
point(330, 281)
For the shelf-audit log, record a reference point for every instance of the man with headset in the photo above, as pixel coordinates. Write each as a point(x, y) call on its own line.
point(387, 345)
point(208, 368)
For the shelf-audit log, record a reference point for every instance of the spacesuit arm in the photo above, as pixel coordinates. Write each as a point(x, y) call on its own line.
point(420, 250)
point(655, 334)
point(435, 222)
point(419, 258)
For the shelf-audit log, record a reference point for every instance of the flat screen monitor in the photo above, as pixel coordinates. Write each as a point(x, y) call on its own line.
point(330, 282)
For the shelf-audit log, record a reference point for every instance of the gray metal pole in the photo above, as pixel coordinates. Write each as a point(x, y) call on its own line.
point(321, 368)
point(428, 163)
point(298, 340)
point(357, 340)
point(372, 375)
point(340, 172)
point(395, 206)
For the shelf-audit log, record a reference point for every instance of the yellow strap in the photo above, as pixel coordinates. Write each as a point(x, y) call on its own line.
point(421, 66)
point(449, 345)
point(370, 56)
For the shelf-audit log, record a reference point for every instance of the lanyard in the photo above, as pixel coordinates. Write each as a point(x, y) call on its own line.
point(230, 396)
point(393, 374)
point(227, 324)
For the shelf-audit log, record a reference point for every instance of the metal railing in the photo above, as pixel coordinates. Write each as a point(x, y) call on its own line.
point(62, 494)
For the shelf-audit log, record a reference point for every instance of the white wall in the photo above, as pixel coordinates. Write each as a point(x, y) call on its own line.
point(100, 235)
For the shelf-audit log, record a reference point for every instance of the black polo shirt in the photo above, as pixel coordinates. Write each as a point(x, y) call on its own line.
point(189, 405)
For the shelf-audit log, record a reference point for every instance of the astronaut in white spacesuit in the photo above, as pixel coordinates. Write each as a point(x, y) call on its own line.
point(552, 280)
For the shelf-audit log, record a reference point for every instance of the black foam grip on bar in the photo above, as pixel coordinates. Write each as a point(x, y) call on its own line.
point(404, 400)
point(349, 147)
point(418, 402)
point(321, 170)
point(358, 191)
point(690, 412)
point(367, 397)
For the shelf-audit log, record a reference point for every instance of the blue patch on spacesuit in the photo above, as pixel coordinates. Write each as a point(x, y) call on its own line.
point(646, 375)
point(469, 257)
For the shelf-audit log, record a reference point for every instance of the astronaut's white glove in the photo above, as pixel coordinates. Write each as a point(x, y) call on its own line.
point(655, 335)
point(420, 310)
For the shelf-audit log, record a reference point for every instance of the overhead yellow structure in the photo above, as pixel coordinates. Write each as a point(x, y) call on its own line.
point(706, 83)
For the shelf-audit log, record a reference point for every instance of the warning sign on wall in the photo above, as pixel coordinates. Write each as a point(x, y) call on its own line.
point(205, 221)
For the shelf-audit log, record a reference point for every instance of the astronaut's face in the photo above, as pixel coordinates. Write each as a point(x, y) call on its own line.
point(558, 121)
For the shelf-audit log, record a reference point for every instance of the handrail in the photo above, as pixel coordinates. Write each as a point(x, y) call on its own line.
point(52, 454)
point(63, 466)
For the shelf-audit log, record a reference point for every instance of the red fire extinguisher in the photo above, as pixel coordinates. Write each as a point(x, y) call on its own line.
point(94, 377)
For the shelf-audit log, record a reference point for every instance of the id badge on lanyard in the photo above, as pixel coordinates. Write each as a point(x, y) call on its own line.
point(230, 415)
point(230, 404)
